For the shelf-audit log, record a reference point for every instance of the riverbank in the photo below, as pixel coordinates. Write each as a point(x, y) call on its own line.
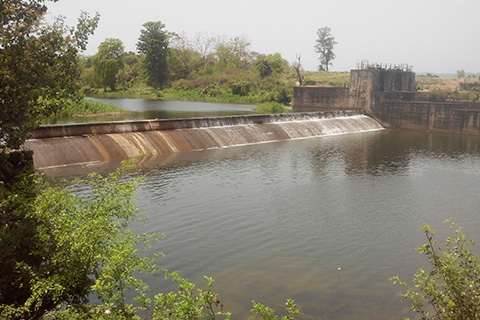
point(87, 107)
point(244, 92)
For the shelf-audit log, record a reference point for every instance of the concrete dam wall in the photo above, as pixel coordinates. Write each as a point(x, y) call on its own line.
point(63, 145)
point(390, 97)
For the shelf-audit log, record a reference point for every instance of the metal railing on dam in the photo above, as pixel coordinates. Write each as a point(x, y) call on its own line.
point(73, 144)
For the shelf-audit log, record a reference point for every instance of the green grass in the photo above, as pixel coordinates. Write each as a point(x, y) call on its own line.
point(326, 79)
point(87, 107)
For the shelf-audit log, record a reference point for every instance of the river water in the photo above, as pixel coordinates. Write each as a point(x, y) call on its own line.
point(324, 221)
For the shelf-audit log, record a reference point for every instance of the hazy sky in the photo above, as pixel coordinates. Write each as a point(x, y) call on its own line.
point(438, 36)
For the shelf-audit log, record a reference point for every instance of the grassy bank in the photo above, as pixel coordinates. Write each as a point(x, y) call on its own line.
point(281, 95)
point(87, 107)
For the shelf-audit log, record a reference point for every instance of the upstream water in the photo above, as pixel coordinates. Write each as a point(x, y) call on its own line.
point(325, 221)
point(161, 109)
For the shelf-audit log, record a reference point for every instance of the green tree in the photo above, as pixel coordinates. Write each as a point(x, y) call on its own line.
point(38, 66)
point(108, 62)
point(324, 46)
point(461, 73)
point(450, 288)
point(132, 70)
point(153, 43)
point(263, 66)
point(182, 59)
point(233, 54)
point(267, 65)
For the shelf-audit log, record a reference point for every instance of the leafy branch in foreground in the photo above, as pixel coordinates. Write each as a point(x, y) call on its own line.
point(451, 289)
point(266, 313)
point(189, 303)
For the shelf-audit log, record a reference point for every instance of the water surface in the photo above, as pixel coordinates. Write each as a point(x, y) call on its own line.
point(278, 220)
point(161, 109)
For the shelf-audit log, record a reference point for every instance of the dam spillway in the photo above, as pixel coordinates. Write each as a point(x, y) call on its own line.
point(96, 143)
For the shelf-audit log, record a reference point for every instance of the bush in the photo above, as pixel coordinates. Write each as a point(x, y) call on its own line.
point(271, 108)
point(76, 245)
point(309, 82)
point(85, 107)
point(283, 95)
point(451, 288)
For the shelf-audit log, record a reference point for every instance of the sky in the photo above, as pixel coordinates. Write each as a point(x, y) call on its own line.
point(436, 36)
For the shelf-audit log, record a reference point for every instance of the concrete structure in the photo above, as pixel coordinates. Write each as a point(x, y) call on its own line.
point(388, 94)
point(97, 143)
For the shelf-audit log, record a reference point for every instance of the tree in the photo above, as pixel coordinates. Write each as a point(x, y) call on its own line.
point(267, 65)
point(324, 45)
point(233, 54)
point(461, 73)
point(108, 62)
point(204, 43)
point(451, 288)
point(182, 60)
point(132, 70)
point(153, 43)
point(38, 66)
point(297, 67)
point(263, 66)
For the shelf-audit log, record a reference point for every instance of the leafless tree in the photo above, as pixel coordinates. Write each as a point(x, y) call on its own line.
point(297, 66)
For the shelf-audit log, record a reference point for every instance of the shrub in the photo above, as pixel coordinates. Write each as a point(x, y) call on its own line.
point(451, 288)
point(271, 108)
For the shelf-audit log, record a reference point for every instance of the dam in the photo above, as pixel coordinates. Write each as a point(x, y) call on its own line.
point(96, 143)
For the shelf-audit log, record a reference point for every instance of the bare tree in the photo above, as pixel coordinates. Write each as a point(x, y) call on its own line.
point(297, 68)
point(205, 44)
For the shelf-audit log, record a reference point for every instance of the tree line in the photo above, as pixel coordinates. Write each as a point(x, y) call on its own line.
point(214, 65)
point(210, 64)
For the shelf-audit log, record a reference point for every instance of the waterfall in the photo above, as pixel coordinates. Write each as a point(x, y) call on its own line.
point(63, 145)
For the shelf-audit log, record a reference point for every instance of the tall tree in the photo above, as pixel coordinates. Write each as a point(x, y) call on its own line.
point(38, 66)
point(324, 46)
point(153, 43)
point(108, 61)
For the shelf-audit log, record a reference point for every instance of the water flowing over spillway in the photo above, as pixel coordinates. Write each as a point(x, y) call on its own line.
point(63, 145)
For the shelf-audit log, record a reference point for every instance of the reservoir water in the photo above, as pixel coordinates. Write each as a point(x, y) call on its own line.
point(325, 221)
point(161, 109)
